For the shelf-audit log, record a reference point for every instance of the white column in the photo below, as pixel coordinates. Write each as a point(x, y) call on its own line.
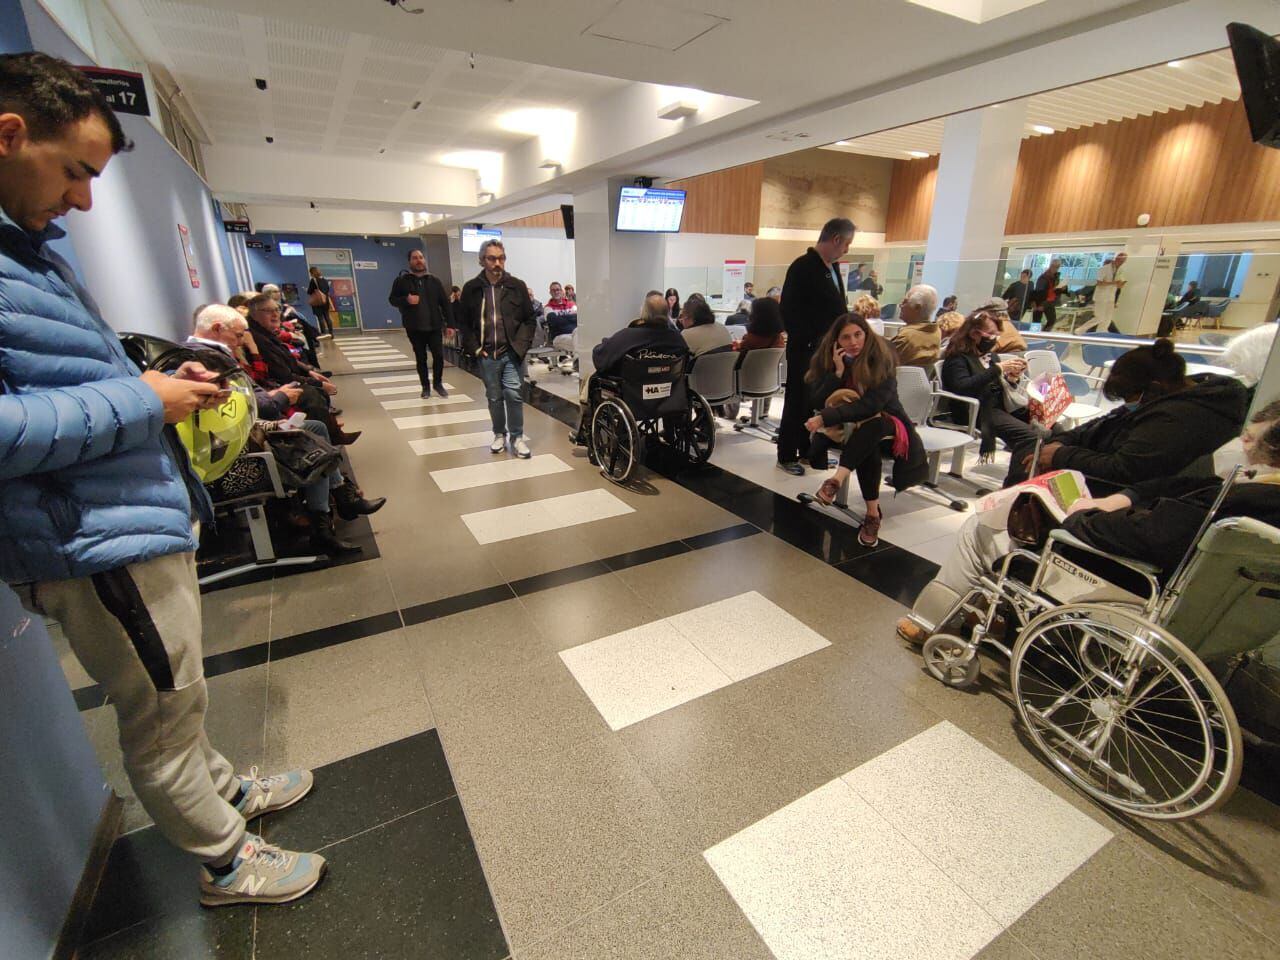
point(613, 270)
point(971, 202)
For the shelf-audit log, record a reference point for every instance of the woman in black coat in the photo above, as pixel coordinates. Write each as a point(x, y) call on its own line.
point(853, 385)
point(970, 369)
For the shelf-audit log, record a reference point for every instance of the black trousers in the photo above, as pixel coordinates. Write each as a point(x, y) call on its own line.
point(793, 439)
point(862, 453)
point(310, 353)
point(424, 340)
point(1021, 438)
point(1046, 313)
point(322, 318)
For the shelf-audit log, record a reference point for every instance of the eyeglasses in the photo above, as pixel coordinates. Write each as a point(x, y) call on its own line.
point(493, 259)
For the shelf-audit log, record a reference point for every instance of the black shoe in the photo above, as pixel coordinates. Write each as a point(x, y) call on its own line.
point(325, 541)
point(441, 391)
point(425, 395)
point(326, 373)
point(793, 467)
point(351, 505)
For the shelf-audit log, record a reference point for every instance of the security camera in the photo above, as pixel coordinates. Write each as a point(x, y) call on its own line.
point(260, 83)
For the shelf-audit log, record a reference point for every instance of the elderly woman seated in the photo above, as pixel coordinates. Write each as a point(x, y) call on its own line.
point(1155, 521)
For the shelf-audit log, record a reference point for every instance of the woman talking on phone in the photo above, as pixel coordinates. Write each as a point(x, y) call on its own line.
point(853, 384)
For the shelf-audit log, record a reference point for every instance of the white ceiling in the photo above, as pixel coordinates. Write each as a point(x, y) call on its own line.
point(332, 92)
point(1209, 78)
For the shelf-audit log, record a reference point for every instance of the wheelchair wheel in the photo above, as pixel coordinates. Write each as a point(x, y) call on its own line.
point(614, 439)
point(948, 659)
point(700, 430)
point(1126, 712)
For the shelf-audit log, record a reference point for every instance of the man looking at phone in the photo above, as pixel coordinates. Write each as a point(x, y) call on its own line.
point(100, 499)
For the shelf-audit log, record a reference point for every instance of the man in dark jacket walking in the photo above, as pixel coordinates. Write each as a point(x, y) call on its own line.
point(497, 328)
point(100, 498)
point(424, 311)
point(812, 296)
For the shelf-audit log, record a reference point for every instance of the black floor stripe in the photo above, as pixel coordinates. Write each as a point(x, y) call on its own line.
point(461, 603)
point(313, 640)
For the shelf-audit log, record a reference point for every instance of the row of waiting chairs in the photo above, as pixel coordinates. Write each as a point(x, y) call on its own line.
point(723, 376)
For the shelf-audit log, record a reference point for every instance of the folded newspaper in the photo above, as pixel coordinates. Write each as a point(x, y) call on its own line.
point(1057, 490)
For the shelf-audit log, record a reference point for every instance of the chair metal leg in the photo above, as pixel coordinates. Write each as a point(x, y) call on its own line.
point(752, 424)
point(263, 550)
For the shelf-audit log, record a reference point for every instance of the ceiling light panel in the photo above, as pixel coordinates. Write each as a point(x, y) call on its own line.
point(977, 11)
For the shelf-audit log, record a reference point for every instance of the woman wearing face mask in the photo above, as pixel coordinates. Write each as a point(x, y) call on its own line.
point(971, 369)
point(1167, 421)
point(1155, 521)
point(853, 384)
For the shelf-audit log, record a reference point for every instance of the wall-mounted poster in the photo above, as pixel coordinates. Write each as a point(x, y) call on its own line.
point(336, 265)
point(184, 235)
point(734, 277)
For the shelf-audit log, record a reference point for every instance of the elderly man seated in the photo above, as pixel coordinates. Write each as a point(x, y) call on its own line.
point(1154, 520)
point(919, 342)
point(222, 328)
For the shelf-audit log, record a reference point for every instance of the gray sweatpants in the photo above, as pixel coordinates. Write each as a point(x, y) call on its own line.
point(136, 630)
point(977, 547)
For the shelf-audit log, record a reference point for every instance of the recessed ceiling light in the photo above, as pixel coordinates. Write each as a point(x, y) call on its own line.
point(1176, 63)
point(1041, 128)
point(918, 154)
point(842, 143)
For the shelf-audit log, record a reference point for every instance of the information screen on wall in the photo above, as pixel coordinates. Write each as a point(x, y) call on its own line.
point(650, 210)
point(473, 237)
point(289, 249)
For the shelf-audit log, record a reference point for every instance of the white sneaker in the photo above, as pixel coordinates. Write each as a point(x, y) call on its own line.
point(499, 443)
point(522, 448)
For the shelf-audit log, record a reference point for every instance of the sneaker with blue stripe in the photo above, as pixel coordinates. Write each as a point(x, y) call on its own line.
point(259, 795)
point(262, 873)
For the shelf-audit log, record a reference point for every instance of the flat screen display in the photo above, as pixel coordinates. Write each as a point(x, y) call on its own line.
point(473, 237)
point(650, 210)
point(288, 249)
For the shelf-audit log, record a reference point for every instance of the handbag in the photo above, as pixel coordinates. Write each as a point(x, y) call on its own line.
point(1015, 394)
point(317, 298)
point(841, 432)
point(303, 458)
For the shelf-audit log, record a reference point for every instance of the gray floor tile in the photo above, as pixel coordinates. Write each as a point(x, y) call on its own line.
point(684, 913)
point(439, 560)
point(234, 723)
point(540, 553)
point(561, 834)
point(580, 612)
point(1120, 904)
point(475, 645)
point(342, 700)
point(236, 617)
point(310, 601)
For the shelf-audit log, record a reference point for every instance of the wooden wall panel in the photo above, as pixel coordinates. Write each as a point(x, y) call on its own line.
point(727, 201)
point(911, 199)
point(1184, 167)
point(552, 218)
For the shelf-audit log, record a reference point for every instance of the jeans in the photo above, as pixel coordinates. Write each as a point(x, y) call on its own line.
point(322, 319)
point(316, 494)
point(424, 340)
point(504, 389)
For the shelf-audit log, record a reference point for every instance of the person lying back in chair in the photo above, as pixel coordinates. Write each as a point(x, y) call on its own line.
point(1154, 521)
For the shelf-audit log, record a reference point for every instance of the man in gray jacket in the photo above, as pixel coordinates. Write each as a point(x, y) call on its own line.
point(99, 496)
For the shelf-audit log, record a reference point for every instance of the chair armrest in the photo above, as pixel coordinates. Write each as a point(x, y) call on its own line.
point(1059, 536)
point(273, 472)
point(971, 402)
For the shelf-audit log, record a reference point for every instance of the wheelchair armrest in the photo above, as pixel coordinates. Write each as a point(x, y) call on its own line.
point(273, 472)
point(1061, 537)
point(972, 403)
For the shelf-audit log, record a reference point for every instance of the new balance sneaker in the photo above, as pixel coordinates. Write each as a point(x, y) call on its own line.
point(499, 443)
point(522, 448)
point(261, 795)
point(262, 873)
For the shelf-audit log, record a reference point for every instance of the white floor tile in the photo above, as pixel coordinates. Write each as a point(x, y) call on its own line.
point(416, 403)
point(393, 378)
point(380, 365)
point(414, 387)
point(498, 471)
point(827, 878)
point(740, 637)
point(641, 672)
point(364, 355)
point(441, 419)
point(1002, 837)
point(456, 441)
point(747, 634)
point(539, 516)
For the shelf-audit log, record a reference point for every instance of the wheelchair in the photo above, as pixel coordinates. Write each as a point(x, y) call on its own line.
point(647, 400)
point(1109, 678)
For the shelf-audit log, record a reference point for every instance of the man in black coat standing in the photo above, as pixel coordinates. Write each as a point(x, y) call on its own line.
point(424, 311)
point(813, 295)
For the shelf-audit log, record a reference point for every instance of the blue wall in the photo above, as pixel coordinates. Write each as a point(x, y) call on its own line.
point(373, 286)
point(127, 248)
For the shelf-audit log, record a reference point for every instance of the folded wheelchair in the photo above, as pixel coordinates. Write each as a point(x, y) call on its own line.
point(647, 400)
point(1109, 673)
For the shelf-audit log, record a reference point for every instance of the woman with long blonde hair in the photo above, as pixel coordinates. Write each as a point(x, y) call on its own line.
point(853, 384)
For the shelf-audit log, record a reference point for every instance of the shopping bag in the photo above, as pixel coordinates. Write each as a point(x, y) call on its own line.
point(1047, 399)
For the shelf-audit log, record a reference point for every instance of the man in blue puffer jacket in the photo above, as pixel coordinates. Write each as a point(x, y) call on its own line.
point(98, 499)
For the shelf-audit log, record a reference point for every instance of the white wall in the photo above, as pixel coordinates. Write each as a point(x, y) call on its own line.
point(276, 218)
point(695, 261)
point(536, 256)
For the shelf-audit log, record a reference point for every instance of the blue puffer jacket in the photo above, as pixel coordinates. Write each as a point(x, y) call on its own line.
point(90, 479)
